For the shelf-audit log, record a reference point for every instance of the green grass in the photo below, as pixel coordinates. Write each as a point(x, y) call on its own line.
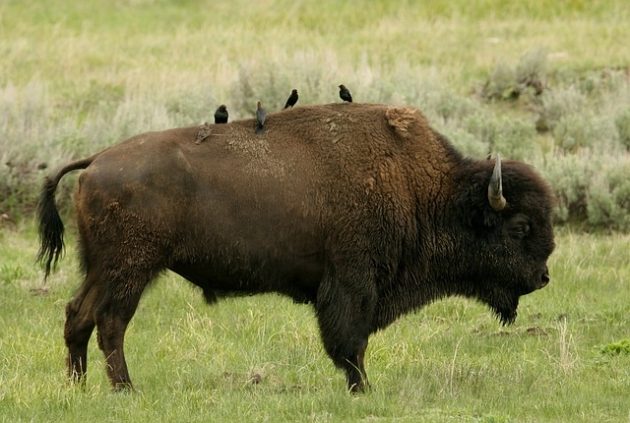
point(565, 358)
point(164, 47)
point(120, 40)
point(76, 77)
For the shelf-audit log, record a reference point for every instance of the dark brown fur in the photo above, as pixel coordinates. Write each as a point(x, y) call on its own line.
point(362, 210)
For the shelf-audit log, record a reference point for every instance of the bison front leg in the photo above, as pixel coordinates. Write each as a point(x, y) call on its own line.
point(345, 306)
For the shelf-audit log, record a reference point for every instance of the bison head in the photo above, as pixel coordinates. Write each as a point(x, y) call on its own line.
point(507, 234)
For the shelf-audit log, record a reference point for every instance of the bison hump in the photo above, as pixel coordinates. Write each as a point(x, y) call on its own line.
point(406, 121)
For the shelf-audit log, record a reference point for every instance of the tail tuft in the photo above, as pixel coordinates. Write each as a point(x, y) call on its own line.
point(50, 227)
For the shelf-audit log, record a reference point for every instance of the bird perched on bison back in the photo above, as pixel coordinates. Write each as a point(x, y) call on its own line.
point(344, 93)
point(260, 117)
point(221, 114)
point(293, 98)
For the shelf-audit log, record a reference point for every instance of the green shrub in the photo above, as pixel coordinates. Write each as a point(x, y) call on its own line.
point(590, 188)
point(192, 105)
point(622, 122)
point(501, 85)
point(531, 71)
point(441, 104)
point(569, 175)
point(513, 137)
point(609, 196)
point(616, 348)
point(557, 103)
point(583, 152)
point(528, 77)
point(574, 131)
point(586, 129)
point(469, 144)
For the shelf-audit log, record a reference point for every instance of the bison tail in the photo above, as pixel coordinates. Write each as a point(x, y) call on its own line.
point(50, 227)
point(50, 224)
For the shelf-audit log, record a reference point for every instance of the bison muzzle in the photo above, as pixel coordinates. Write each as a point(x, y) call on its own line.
point(362, 210)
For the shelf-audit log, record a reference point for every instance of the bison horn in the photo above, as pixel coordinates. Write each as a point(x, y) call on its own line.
point(495, 188)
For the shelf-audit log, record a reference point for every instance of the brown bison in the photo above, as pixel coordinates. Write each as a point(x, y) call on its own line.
point(362, 210)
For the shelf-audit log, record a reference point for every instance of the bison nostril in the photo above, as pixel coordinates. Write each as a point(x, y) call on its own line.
point(544, 278)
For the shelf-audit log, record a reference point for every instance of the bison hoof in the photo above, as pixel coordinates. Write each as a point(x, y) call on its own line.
point(358, 388)
point(123, 387)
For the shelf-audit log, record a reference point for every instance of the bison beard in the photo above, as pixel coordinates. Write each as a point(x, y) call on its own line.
point(362, 210)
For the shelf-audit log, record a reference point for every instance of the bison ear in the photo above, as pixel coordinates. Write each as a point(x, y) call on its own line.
point(490, 218)
point(482, 217)
point(473, 207)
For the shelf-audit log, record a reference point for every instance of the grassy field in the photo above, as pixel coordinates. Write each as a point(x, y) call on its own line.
point(169, 45)
point(565, 358)
point(76, 77)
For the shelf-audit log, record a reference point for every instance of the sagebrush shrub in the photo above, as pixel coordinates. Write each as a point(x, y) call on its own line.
point(469, 144)
point(509, 83)
point(609, 197)
point(557, 103)
point(569, 175)
point(531, 72)
point(622, 123)
point(513, 137)
point(576, 132)
point(501, 85)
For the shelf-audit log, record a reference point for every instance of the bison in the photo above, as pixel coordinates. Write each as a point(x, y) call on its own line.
point(362, 210)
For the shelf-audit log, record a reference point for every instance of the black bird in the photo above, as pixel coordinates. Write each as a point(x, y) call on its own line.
point(344, 93)
point(293, 98)
point(221, 115)
point(260, 117)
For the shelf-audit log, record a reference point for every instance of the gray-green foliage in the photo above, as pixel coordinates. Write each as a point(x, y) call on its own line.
point(622, 121)
point(609, 195)
point(591, 188)
point(576, 131)
point(589, 167)
point(582, 121)
point(511, 82)
point(556, 104)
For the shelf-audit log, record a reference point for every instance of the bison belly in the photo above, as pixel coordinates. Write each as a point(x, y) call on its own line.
point(297, 277)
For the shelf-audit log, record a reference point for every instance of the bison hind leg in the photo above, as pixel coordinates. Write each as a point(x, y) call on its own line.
point(112, 318)
point(79, 327)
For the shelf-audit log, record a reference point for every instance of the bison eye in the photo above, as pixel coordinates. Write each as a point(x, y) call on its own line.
point(518, 226)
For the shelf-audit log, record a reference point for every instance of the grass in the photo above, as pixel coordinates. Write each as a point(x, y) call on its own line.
point(118, 41)
point(76, 77)
point(565, 359)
